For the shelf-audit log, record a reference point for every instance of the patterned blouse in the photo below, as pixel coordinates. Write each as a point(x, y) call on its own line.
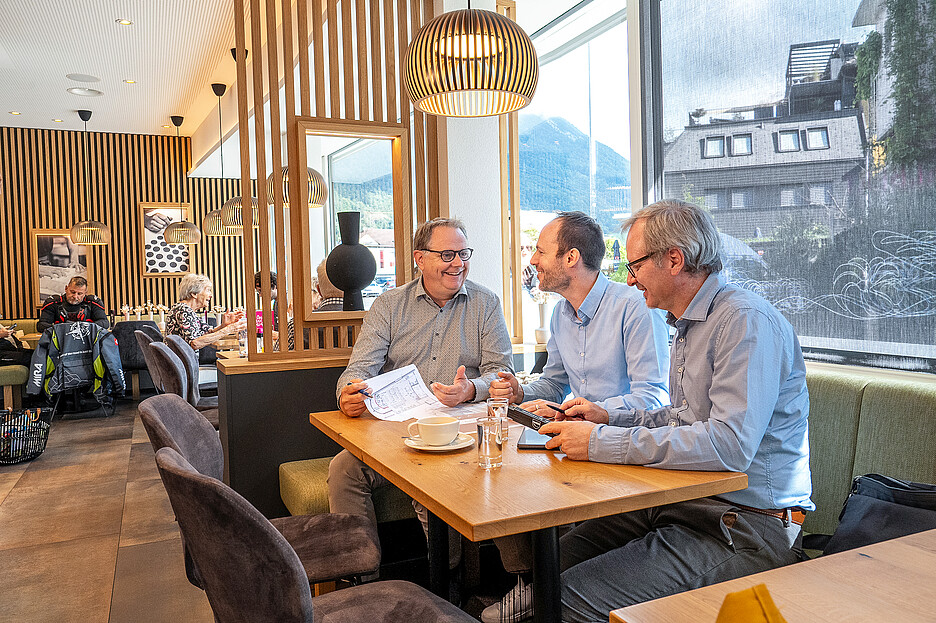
point(184, 322)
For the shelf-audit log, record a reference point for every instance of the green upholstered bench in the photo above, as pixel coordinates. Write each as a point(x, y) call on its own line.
point(12, 378)
point(863, 421)
point(304, 491)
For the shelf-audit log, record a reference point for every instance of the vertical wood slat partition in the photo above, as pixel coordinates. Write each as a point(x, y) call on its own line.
point(353, 53)
point(42, 186)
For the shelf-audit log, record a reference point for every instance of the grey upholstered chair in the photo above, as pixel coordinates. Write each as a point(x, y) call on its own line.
point(190, 361)
point(153, 331)
point(174, 378)
point(329, 545)
point(144, 339)
point(251, 573)
point(131, 354)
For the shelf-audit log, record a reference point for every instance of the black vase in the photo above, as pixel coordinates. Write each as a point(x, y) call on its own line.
point(351, 266)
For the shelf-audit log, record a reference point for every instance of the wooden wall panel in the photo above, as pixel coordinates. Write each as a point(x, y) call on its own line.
point(42, 187)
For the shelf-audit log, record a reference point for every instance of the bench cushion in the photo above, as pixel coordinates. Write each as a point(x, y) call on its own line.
point(896, 431)
point(13, 375)
point(304, 490)
point(835, 400)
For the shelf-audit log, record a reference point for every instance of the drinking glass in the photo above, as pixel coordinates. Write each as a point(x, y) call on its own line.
point(492, 434)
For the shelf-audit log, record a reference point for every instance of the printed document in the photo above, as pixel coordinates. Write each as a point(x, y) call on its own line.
point(401, 395)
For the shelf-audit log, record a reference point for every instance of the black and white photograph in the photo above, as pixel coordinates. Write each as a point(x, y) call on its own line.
point(159, 257)
point(55, 260)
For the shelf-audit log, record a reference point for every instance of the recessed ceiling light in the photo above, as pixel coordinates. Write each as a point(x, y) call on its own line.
point(16, 112)
point(130, 81)
point(57, 120)
point(82, 78)
point(84, 91)
point(123, 22)
point(167, 126)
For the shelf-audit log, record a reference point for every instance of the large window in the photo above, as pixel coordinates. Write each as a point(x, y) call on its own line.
point(575, 135)
point(838, 230)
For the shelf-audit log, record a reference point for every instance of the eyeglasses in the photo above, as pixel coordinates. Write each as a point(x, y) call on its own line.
point(632, 266)
point(448, 255)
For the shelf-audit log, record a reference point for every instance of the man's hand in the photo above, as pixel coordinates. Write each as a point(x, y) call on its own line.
point(506, 386)
point(571, 438)
point(156, 222)
point(461, 390)
point(542, 408)
point(4, 332)
point(581, 409)
point(351, 400)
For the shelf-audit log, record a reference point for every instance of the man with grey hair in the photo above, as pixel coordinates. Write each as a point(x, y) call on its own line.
point(452, 329)
point(738, 397)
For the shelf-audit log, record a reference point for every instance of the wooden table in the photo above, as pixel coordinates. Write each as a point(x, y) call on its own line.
point(534, 491)
point(890, 581)
point(31, 340)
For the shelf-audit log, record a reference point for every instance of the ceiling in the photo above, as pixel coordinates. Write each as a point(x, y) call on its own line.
point(173, 51)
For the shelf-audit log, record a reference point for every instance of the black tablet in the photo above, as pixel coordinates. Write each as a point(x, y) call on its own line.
point(532, 440)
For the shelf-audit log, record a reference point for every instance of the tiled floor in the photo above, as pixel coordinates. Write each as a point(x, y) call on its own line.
point(87, 533)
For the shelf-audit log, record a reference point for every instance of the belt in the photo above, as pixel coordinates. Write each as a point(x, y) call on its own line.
point(796, 515)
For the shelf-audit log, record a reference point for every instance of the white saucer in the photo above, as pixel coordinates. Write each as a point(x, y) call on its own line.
point(462, 441)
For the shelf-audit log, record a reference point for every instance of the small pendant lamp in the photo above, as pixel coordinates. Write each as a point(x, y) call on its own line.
point(232, 213)
point(212, 225)
point(182, 232)
point(470, 63)
point(318, 191)
point(89, 232)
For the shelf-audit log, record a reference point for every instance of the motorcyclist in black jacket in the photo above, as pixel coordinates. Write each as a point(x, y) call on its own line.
point(74, 305)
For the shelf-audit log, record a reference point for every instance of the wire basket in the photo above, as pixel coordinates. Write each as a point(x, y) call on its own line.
point(23, 434)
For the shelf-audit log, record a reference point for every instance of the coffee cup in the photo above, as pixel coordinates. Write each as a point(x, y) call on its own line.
point(434, 431)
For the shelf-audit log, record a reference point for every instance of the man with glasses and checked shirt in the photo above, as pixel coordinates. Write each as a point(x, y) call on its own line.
point(452, 329)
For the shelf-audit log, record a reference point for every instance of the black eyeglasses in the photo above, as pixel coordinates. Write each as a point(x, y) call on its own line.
point(630, 266)
point(448, 255)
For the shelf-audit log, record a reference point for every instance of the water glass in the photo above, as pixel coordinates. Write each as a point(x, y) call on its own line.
point(242, 342)
point(490, 442)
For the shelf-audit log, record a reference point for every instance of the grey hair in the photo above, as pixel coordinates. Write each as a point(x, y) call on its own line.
point(191, 285)
point(676, 224)
point(424, 232)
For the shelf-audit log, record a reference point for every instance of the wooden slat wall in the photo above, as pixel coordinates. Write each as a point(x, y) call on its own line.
point(42, 187)
point(356, 64)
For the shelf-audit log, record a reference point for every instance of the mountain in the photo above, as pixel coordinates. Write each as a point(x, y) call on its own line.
point(554, 171)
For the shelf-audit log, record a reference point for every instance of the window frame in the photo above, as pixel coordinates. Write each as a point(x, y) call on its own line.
point(789, 132)
point(711, 140)
point(750, 144)
point(825, 131)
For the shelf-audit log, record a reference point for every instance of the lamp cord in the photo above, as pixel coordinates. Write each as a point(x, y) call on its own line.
point(87, 180)
point(220, 140)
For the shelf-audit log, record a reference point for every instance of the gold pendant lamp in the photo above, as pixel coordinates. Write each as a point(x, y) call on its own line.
point(232, 212)
point(213, 223)
point(89, 232)
point(471, 63)
point(318, 191)
point(182, 232)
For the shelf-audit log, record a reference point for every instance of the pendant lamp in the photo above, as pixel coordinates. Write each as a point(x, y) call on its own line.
point(470, 63)
point(88, 232)
point(232, 212)
point(318, 191)
point(182, 232)
point(213, 225)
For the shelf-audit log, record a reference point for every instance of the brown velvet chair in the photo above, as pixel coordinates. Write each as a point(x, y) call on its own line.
point(171, 371)
point(251, 573)
point(190, 362)
point(351, 546)
point(144, 339)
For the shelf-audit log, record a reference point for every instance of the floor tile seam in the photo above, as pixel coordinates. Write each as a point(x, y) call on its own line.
point(62, 542)
point(123, 514)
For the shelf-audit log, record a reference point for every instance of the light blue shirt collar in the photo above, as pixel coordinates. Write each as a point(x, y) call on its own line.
point(589, 306)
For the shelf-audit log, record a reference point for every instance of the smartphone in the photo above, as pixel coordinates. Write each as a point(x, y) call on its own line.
point(12, 326)
point(532, 440)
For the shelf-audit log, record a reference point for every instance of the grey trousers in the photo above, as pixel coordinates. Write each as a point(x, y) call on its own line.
point(616, 561)
point(351, 486)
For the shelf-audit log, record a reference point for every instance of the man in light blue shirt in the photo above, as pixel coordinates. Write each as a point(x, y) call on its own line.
point(739, 402)
point(604, 345)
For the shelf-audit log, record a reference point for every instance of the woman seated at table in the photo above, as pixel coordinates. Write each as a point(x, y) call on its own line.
point(195, 292)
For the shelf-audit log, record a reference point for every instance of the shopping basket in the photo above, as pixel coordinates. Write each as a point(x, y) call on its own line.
point(23, 434)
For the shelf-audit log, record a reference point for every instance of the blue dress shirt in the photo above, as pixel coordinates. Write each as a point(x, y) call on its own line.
point(612, 352)
point(739, 401)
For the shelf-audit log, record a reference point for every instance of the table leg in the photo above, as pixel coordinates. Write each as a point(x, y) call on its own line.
point(547, 605)
point(438, 557)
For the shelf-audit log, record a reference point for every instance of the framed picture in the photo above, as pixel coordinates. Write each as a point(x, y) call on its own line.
point(161, 259)
point(54, 261)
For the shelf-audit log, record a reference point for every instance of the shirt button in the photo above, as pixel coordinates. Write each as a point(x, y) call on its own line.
point(581, 354)
point(684, 401)
point(434, 360)
point(682, 339)
point(679, 369)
